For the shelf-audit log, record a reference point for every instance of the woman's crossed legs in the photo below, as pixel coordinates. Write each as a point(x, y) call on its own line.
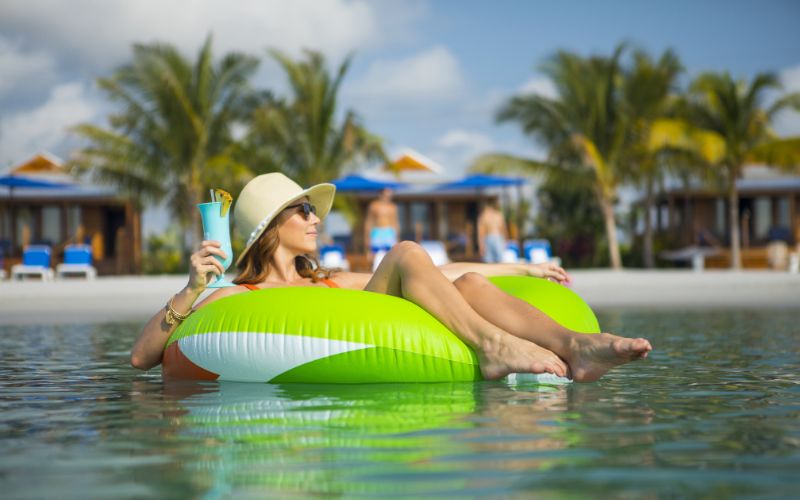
point(508, 335)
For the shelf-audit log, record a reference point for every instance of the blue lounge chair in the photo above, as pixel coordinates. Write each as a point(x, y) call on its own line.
point(332, 256)
point(77, 260)
point(511, 253)
point(539, 252)
point(35, 262)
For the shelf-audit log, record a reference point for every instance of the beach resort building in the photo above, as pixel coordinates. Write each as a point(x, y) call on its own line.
point(41, 204)
point(698, 216)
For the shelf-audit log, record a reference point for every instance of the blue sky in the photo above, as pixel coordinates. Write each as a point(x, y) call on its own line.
point(427, 75)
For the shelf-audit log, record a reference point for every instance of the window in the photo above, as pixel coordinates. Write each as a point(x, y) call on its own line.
point(24, 227)
point(762, 216)
point(719, 217)
point(420, 218)
point(784, 217)
point(73, 221)
point(51, 224)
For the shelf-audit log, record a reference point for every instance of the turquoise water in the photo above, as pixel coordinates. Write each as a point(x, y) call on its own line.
point(714, 412)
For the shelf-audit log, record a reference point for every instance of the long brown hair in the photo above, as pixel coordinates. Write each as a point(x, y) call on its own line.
point(256, 265)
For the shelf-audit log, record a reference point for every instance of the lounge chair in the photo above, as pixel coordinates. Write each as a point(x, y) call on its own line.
point(694, 254)
point(77, 260)
point(332, 256)
point(35, 262)
point(539, 252)
point(436, 250)
point(511, 253)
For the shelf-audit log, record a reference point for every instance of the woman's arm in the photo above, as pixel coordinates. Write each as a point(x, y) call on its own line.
point(455, 270)
point(149, 347)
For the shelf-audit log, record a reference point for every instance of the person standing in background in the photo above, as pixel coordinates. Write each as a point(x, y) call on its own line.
point(492, 232)
point(382, 225)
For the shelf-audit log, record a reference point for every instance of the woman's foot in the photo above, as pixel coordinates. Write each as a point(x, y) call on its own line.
point(592, 356)
point(508, 354)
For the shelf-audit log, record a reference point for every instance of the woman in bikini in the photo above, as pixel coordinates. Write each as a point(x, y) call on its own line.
point(509, 335)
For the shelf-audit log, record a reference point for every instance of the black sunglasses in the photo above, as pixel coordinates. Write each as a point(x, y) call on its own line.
point(308, 209)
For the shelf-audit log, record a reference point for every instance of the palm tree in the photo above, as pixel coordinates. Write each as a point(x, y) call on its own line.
point(647, 91)
point(584, 128)
point(171, 138)
point(735, 126)
point(304, 136)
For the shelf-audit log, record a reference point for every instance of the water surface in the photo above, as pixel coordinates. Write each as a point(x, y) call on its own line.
point(713, 412)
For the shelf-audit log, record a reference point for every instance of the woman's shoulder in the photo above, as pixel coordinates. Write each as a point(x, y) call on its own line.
point(355, 281)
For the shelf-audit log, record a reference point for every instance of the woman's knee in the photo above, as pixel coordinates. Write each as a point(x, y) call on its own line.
point(469, 281)
point(407, 250)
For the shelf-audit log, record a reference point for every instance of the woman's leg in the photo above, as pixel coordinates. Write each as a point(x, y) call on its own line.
point(588, 356)
point(407, 271)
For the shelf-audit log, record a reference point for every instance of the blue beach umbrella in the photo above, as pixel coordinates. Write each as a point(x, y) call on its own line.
point(478, 181)
point(354, 183)
point(20, 181)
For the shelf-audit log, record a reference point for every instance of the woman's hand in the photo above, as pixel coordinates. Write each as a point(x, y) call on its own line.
point(203, 266)
point(548, 271)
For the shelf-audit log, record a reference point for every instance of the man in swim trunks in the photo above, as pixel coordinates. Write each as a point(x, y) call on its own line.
point(382, 226)
point(492, 233)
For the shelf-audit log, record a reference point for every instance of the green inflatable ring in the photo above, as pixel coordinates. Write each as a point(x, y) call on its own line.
point(324, 335)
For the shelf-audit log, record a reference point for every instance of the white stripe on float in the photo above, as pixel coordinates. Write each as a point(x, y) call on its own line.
point(256, 356)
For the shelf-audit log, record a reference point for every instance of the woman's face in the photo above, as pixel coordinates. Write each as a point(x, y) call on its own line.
point(298, 234)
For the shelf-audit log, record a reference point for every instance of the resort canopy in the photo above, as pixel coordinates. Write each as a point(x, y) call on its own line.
point(354, 183)
point(411, 161)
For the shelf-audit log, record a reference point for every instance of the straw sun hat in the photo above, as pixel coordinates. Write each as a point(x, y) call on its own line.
point(266, 196)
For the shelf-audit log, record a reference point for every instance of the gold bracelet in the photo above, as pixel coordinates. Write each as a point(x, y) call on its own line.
point(172, 316)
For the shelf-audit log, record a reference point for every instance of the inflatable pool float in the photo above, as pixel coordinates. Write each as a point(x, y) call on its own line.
point(327, 335)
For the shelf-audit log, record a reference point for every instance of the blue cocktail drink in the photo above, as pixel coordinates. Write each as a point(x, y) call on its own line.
point(217, 227)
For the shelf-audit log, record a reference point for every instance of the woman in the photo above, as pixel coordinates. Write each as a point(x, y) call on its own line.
point(507, 334)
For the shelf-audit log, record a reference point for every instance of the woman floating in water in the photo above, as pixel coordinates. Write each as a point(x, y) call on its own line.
point(507, 334)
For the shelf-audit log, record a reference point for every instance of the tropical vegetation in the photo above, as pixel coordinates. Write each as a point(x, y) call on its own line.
point(181, 126)
point(171, 138)
point(174, 134)
point(612, 123)
point(733, 120)
point(304, 135)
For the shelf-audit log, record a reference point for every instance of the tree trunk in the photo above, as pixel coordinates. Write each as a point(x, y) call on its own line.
point(196, 225)
point(648, 225)
point(611, 233)
point(733, 215)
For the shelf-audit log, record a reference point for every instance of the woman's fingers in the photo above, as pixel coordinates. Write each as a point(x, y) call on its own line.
point(213, 262)
point(211, 250)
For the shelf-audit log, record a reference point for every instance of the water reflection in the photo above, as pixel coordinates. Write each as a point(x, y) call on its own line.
point(364, 439)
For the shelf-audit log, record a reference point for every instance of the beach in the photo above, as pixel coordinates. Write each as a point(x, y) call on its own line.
point(136, 298)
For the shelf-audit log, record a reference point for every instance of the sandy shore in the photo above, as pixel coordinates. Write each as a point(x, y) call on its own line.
point(136, 298)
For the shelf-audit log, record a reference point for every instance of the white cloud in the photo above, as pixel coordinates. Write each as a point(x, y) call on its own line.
point(98, 33)
point(457, 148)
point(26, 133)
point(539, 85)
point(23, 69)
point(787, 123)
point(464, 139)
point(433, 74)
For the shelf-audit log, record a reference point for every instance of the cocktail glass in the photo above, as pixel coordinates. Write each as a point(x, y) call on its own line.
point(217, 227)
